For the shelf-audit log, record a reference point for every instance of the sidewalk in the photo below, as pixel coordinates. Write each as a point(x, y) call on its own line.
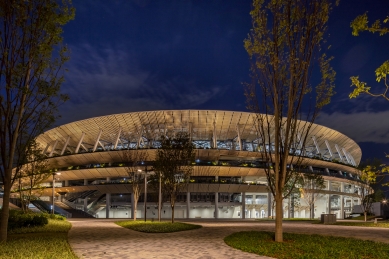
point(101, 238)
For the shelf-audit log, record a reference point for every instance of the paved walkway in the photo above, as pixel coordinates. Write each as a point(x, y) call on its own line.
point(101, 238)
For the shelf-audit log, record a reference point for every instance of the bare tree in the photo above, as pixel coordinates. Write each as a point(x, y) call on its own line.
point(32, 174)
point(174, 162)
point(31, 59)
point(133, 160)
point(286, 40)
point(310, 186)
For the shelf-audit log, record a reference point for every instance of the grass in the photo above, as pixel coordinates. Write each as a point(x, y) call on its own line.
point(379, 224)
point(289, 219)
point(362, 218)
point(49, 241)
point(157, 227)
point(299, 246)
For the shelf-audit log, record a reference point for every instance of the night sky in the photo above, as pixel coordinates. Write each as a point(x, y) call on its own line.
point(139, 55)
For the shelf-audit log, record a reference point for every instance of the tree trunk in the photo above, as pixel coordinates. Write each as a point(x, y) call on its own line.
point(172, 213)
point(5, 213)
point(365, 214)
point(135, 207)
point(278, 230)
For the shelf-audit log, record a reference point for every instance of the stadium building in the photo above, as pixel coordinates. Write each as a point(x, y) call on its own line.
point(228, 179)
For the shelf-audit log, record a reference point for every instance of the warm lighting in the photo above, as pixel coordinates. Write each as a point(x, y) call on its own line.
point(54, 174)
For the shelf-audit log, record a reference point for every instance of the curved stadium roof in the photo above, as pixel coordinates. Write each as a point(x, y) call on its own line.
point(232, 130)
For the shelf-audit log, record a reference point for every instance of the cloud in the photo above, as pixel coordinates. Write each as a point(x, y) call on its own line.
point(360, 126)
point(108, 80)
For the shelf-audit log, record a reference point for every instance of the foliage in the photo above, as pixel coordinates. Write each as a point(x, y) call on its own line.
point(134, 160)
point(174, 162)
point(32, 174)
point(286, 40)
point(19, 219)
point(306, 246)
point(49, 241)
point(31, 60)
point(157, 227)
point(368, 175)
point(361, 24)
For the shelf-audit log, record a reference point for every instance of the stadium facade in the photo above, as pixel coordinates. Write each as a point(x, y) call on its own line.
point(228, 179)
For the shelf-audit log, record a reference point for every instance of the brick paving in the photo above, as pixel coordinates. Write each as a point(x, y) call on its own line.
point(101, 238)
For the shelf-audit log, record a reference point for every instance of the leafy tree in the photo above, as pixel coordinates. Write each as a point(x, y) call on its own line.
point(133, 160)
point(31, 59)
point(32, 174)
point(174, 161)
point(310, 186)
point(364, 191)
point(361, 24)
point(286, 40)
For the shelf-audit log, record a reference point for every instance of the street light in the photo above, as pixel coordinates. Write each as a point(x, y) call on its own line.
point(54, 174)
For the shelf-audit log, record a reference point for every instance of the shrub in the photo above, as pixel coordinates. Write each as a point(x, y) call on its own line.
point(54, 216)
point(18, 219)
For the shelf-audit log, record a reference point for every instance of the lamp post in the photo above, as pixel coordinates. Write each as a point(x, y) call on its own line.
point(53, 189)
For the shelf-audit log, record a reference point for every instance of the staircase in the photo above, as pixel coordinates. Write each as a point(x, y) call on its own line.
point(75, 213)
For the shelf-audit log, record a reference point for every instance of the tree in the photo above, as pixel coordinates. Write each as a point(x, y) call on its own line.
point(174, 161)
point(370, 175)
point(360, 24)
point(31, 59)
point(286, 40)
point(133, 160)
point(310, 186)
point(364, 190)
point(32, 174)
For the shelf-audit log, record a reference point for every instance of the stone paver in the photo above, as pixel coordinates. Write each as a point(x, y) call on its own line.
point(101, 238)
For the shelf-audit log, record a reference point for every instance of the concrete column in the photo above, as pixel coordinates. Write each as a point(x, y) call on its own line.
point(132, 205)
point(107, 204)
point(329, 185)
point(66, 183)
point(269, 204)
point(243, 215)
point(188, 205)
point(342, 187)
point(85, 181)
point(216, 205)
point(107, 201)
point(342, 206)
point(329, 203)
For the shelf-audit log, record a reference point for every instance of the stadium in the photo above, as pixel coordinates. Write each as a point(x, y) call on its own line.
point(228, 181)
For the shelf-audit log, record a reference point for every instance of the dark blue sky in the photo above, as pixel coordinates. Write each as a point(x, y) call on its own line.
point(136, 55)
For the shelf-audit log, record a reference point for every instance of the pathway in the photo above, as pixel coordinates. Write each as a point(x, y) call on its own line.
point(101, 238)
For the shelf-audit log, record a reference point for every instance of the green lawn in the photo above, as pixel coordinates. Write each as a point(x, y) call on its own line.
point(156, 227)
point(49, 241)
point(296, 246)
point(382, 224)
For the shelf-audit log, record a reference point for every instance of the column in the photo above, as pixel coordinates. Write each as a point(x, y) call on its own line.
point(85, 181)
point(243, 215)
point(132, 205)
point(107, 201)
point(269, 204)
point(107, 204)
point(188, 205)
point(216, 205)
point(341, 206)
point(66, 183)
point(329, 203)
